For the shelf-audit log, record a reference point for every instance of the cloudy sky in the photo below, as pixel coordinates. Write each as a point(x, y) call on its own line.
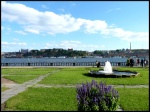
point(79, 25)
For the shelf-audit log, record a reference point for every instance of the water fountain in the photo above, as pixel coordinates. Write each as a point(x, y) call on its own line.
point(108, 71)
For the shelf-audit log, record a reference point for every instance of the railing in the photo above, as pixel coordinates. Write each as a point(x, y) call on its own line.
point(63, 64)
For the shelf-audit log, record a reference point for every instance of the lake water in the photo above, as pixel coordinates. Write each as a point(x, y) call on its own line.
point(33, 60)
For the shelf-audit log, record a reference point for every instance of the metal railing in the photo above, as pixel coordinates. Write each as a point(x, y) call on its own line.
point(63, 64)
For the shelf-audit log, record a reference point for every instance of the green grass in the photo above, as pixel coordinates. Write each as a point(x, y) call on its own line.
point(3, 88)
point(21, 75)
point(134, 99)
point(20, 79)
point(26, 71)
point(79, 75)
point(64, 99)
point(44, 99)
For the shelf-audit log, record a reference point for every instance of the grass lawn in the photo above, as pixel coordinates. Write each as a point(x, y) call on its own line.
point(134, 99)
point(21, 75)
point(79, 75)
point(44, 99)
point(3, 89)
point(64, 99)
point(20, 79)
point(26, 71)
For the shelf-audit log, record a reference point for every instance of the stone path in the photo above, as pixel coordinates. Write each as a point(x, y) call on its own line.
point(17, 88)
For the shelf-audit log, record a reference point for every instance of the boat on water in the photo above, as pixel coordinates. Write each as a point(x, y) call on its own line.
point(61, 57)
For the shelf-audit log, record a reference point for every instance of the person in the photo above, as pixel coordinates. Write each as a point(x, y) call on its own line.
point(138, 61)
point(98, 64)
point(131, 62)
point(128, 62)
point(142, 61)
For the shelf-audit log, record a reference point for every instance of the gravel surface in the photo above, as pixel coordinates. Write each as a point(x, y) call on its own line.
point(7, 81)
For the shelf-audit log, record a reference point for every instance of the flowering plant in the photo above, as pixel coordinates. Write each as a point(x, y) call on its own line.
point(96, 97)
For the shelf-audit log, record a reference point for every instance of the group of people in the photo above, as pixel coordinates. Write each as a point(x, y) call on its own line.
point(144, 62)
point(131, 63)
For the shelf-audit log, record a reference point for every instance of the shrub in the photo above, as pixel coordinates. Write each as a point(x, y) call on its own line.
point(96, 97)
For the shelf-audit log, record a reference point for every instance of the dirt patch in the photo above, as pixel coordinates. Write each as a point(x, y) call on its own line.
point(7, 81)
point(3, 106)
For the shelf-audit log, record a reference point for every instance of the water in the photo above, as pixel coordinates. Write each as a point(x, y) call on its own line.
point(108, 71)
point(108, 67)
point(30, 60)
point(120, 73)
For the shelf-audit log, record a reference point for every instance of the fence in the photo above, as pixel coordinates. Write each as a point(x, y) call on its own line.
point(62, 64)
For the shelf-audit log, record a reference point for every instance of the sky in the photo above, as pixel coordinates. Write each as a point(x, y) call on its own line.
point(80, 25)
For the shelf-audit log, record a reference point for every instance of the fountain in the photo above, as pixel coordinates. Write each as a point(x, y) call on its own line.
point(108, 71)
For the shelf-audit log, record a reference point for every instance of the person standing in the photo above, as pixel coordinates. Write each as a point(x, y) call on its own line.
point(145, 63)
point(96, 62)
point(128, 62)
point(142, 62)
point(131, 62)
point(138, 61)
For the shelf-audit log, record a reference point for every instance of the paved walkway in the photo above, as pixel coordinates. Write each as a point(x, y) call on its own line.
point(17, 88)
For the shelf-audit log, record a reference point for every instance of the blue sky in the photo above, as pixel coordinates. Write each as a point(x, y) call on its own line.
point(81, 25)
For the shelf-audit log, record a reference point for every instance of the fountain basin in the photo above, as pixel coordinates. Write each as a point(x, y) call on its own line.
point(113, 73)
point(109, 72)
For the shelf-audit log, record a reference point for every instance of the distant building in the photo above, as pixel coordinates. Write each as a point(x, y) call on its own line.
point(70, 49)
point(23, 51)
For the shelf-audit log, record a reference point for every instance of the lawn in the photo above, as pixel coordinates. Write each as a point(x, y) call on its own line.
point(64, 99)
point(44, 99)
point(134, 99)
point(4, 88)
point(79, 75)
point(21, 75)
point(20, 79)
point(26, 71)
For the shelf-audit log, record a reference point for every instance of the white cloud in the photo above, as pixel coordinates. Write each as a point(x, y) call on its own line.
point(2, 28)
point(32, 31)
point(43, 6)
point(76, 45)
point(62, 9)
point(73, 4)
point(14, 43)
point(15, 39)
point(21, 32)
point(47, 22)
point(126, 35)
point(111, 10)
point(94, 26)
point(8, 28)
point(35, 21)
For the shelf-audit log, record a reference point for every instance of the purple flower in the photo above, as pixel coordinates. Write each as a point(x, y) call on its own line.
point(93, 94)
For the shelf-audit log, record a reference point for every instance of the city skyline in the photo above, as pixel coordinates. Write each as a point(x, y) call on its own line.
point(86, 26)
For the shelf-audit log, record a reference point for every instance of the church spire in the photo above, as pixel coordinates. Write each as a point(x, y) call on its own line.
point(130, 46)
